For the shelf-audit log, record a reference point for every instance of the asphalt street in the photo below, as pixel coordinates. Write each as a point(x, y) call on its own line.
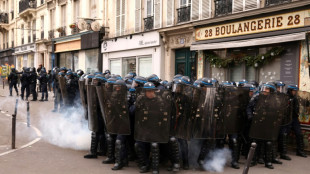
point(36, 155)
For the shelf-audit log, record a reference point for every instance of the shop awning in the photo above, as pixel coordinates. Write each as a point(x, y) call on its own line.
point(251, 42)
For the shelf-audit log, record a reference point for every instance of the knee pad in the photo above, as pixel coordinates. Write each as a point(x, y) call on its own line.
point(173, 139)
point(155, 145)
point(118, 142)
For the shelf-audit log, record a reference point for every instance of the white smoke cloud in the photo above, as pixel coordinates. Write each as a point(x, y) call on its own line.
point(217, 160)
point(68, 130)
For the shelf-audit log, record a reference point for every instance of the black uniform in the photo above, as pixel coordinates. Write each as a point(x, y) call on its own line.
point(13, 78)
point(72, 89)
point(43, 78)
point(33, 84)
point(25, 84)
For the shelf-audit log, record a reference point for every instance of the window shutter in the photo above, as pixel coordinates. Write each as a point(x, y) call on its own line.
point(157, 14)
point(123, 17)
point(252, 4)
point(118, 19)
point(206, 9)
point(138, 16)
point(195, 10)
point(237, 6)
point(170, 12)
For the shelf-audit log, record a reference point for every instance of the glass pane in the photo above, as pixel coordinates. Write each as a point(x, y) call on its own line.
point(145, 66)
point(129, 65)
point(91, 61)
point(149, 8)
point(115, 66)
point(181, 68)
point(76, 61)
point(62, 60)
point(236, 73)
point(250, 73)
point(69, 61)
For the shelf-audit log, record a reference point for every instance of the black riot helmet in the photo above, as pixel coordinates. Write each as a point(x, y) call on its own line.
point(64, 69)
point(120, 82)
point(99, 79)
point(292, 89)
point(163, 82)
point(253, 82)
point(80, 72)
point(242, 82)
point(178, 76)
point(168, 85)
point(186, 80)
point(227, 83)
point(197, 83)
point(128, 79)
point(138, 81)
point(154, 79)
point(149, 85)
point(269, 87)
point(89, 78)
point(32, 69)
point(280, 86)
point(107, 72)
point(206, 82)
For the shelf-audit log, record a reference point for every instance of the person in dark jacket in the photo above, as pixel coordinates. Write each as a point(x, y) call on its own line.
point(33, 83)
point(50, 80)
point(43, 79)
point(25, 83)
point(12, 79)
point(38, 71)
point(71, 87)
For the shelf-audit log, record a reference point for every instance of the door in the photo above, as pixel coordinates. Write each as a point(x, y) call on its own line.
point(185, 63)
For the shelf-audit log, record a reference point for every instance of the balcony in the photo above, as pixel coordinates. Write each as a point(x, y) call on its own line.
point(61, 31)
point(148, 23)
point(4, 18)
point(27, 9)
point(51, 34)
point(42, 34)
point(276, 2)
point(184, 14)
point(223, 7)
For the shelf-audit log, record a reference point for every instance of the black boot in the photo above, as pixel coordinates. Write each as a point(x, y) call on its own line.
point(300, 147)
point(155, 158)
point(275, 160)
point(110, 153)
point(142, 163)
point(235, 153)
point(204, 151)
point(268, 155)
point(118, 161)
point(93, 146)
point(102, 150)
point(261, 153)
point(175, 155)
point(283, 147)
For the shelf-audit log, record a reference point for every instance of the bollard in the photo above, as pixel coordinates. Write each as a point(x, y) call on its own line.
point(28, 115)
point(16, 105)
point(249, 159)
point(3, 83)
point(13, 130)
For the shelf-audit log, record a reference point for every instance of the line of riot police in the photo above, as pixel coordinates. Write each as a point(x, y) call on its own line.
point(137, 118)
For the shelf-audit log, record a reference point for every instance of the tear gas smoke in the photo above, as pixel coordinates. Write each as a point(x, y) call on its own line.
point(217, 159)
point(66, 130)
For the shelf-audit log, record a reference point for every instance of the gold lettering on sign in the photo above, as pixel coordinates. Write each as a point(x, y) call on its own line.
point(265, 24)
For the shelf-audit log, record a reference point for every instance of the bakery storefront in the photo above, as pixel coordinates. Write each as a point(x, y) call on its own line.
point(264, 48)
point(141, 53)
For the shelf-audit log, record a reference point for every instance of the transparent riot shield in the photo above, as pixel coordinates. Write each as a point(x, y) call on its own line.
point(152, 116)
point(63, 89)
point(92, 103)
point(83, 96)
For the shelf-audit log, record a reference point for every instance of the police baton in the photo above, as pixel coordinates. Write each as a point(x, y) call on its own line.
point(249, 159)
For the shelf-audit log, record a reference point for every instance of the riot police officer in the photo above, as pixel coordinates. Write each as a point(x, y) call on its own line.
point(33, 83)
point(12, 79)
point(43, 79)
point(295, 125)
point(72, 88)
point(58, 97)
point(25, 83)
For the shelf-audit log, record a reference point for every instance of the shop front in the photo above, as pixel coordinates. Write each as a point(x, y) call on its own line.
point(6, 57)
point(25, 56)
point(90, 46)
point(264, 48)
point(140, 53)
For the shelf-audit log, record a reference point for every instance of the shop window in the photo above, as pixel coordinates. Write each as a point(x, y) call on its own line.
point(65, 60)
point(145, 66)
point(91, 60)
point(223, 7)
point(76, 61)
point(129, 65)
point(115, 66)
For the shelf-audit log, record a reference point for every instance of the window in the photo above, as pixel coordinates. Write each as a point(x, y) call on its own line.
point(91, 62)
point(29, 32)
point(12, 38)
point(120, 17)
point(42, 27)
point(76, 10)
point(63, 15)
point(93, 9)
point(115, 66)
point(129, 65)
point(145, 66)
point(223, 7)
point(52, 20)
point(66, 60)
point(185, 3)
point(22, 33)
point(150, 8)
point(34, 30)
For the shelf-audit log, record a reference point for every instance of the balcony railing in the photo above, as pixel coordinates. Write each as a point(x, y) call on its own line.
point(223, 7)
point(184, 14)
point(51, 34)
point(34, 37)
point(12, 44)
point(148, 23)
point(62, 31)
point(4, 18)
point(42, 34)
point(29, 39)
point(276, 2)
point(26, 4)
